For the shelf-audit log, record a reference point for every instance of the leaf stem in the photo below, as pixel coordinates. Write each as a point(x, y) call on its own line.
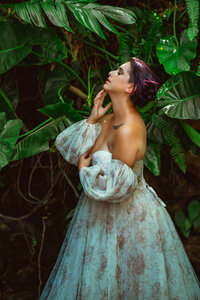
point(59, 93)
point(66, 66)
point(3, 95)
point(9, 14)
point(174, 23)
point(40, 125)
point(70, 45)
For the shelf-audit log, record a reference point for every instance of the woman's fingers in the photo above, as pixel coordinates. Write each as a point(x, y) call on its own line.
point(108, 106)
point(101, 94)
point(102, 97)
point(88, 151)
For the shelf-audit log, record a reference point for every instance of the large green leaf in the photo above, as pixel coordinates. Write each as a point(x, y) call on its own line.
point(86, 19)
point(10, 132)
point(19, 45)
point(31, 12)
point(152, 157)
point(52, 13)
point(2, 120)
point(8, 95)
point(5, 153)
point(23, 13)
point(38, 141)
point(176, 59)
point(58, 78)
point(48, 45)
point(118, 14)
point(58, 110)
point(88, 14)
point(34, 13)
point(8, 137)
point(61, 11)
point(14, 48)
point(181, 221)
point(192, 133)
point(181, 96)
point(102, 19)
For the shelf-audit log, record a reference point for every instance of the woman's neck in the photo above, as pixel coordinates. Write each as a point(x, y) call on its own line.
point(122, 107)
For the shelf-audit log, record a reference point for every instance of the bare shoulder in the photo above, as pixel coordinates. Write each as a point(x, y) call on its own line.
point(133, 125)
point(132, 130)
point(105, 117)
point(128, 130)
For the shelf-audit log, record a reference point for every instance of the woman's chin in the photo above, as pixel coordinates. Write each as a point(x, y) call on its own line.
point(105, 86)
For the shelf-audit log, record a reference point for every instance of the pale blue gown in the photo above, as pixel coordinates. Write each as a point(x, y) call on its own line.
point(121, 243)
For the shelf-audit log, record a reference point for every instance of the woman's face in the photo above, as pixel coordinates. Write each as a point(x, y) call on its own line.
point(117, 81)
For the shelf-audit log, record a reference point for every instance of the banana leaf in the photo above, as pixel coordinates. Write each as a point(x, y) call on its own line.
point(38, 141)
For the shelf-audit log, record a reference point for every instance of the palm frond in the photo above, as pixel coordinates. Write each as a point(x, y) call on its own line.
point(87, 13)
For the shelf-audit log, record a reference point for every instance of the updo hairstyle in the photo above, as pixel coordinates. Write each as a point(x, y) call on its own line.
point(147, 83)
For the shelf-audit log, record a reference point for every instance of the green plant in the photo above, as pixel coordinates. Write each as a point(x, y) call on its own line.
point(88, 13)
point(9, 131)
point(176, 100)
point(193, 13)
point(186, 223)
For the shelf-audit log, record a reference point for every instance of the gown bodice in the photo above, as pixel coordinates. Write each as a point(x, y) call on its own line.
point(104, 157)
point(106, 179)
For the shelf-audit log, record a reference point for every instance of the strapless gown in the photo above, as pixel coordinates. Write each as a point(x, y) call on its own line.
point(121, 243)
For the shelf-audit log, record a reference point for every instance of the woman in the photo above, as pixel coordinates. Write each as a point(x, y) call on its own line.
point(121, 243)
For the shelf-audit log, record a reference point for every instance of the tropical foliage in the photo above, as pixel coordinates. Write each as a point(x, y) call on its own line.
point(66, 49)
point(29, 45)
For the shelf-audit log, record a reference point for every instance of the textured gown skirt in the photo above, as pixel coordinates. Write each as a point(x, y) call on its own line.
point(121, 243)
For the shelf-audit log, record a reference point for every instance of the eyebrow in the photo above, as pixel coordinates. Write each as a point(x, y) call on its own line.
point(121, 69)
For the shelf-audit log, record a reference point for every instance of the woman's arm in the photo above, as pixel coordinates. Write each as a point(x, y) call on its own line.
point(115, 183)
point(77, 139)
point(81, 136)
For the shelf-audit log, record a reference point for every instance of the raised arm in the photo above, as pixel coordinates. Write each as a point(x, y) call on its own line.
point(81, 136)
point(77, 139)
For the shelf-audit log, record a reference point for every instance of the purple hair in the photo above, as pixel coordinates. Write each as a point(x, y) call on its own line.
point(145, 80)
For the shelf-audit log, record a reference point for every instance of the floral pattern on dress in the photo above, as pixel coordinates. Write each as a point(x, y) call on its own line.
point(121, 243)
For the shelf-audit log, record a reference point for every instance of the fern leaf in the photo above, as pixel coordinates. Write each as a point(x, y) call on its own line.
point(125, 42)
point(167, 127)
point(198, 69)
point(83, 32)
point(192, 7)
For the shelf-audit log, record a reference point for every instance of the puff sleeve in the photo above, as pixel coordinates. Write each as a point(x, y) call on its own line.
point(77, 139)
point(115, 183)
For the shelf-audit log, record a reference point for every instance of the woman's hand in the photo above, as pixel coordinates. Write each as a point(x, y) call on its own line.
point(98, 110)
point(83, 161)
